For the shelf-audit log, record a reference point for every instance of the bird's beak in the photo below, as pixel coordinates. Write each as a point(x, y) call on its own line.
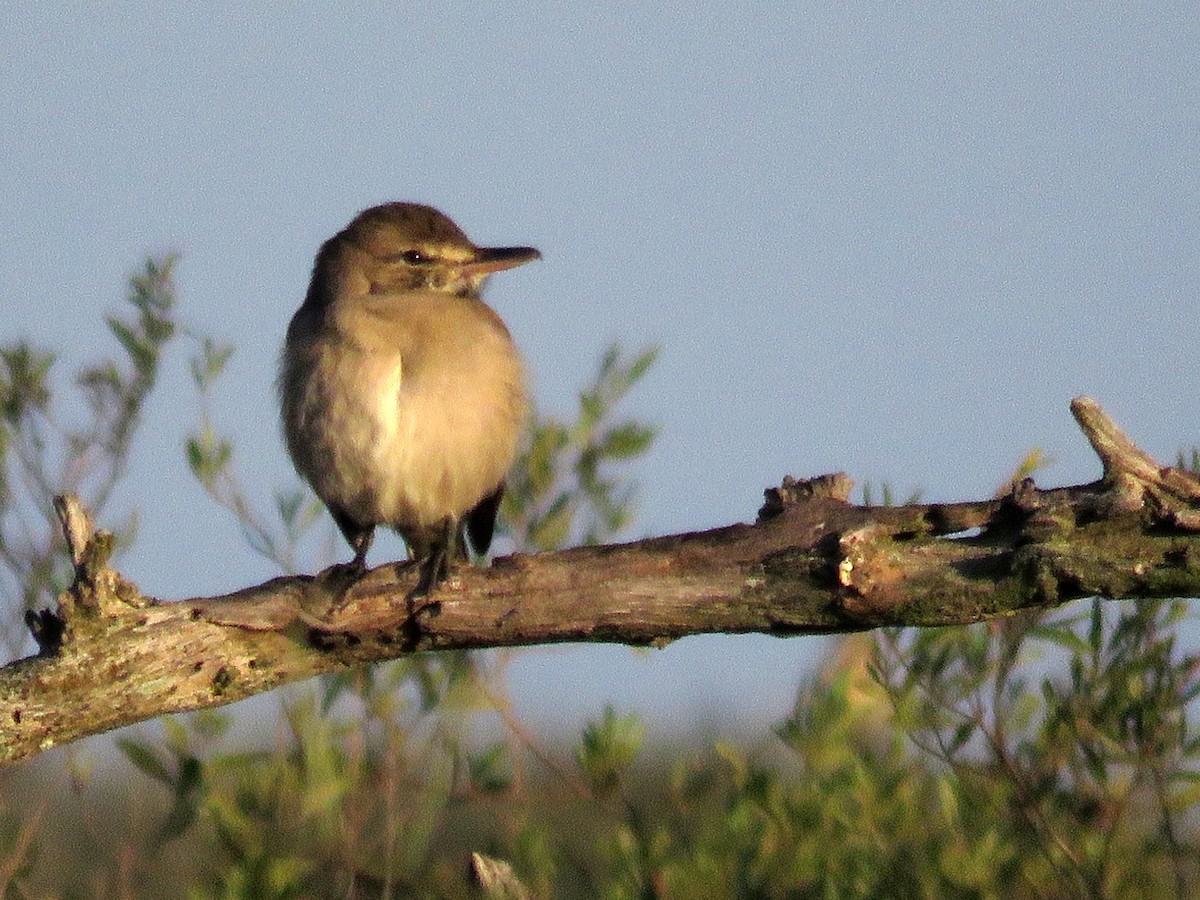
point(497, 259)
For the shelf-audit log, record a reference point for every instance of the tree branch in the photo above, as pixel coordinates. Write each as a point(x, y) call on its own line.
point(812, 564)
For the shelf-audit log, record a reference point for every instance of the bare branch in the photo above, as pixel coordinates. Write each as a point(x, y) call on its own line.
point(812, 564)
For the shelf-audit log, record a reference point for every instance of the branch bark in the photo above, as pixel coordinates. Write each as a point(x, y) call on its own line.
point(812, 564)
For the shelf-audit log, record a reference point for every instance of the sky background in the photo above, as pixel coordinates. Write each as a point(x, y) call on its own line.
point(890, 239)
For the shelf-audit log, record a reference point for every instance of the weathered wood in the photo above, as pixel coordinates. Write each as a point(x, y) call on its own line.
point(812, 564)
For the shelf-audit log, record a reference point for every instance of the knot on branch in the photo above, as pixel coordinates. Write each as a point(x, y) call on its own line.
point(96, 591)
point(90, 550)
point(1133, 480)
point(871, 574)
point(836, 486)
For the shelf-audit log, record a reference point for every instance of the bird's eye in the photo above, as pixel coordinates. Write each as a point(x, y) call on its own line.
point(414, 257)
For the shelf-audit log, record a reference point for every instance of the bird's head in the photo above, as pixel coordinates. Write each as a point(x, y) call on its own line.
point(399, 247)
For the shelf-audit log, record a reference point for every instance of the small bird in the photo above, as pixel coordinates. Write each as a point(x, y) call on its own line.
point(402, 392)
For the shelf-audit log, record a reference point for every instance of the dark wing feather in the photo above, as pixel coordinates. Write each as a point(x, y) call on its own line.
point(481, 521)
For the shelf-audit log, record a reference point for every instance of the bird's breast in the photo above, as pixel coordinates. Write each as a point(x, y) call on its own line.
point(413, 421)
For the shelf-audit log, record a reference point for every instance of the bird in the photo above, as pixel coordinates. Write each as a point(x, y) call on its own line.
point(402, 393)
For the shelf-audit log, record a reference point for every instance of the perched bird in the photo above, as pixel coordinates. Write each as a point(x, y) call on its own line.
point(402, 392)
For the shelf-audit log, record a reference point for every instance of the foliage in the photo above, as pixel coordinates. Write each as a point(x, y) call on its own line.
point(1039, 756)
point(1089, 768)
point(210, 458)
point(388, 751)
point(46, 447)
point(607, 749)
point(560, 493)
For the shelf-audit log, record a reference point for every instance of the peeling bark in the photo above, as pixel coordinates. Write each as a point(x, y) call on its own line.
point(813, 563)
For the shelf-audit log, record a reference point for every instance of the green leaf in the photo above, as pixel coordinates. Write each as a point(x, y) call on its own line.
point(141, 353)
point(188, 794)
point(1060, 635)
point(549, 531)
point(145, 760)
point(641, 364)
point(24, 383)
point(608, 361)
point(591, 410)
point(208, 455)
point(176, 735)
point(209, 363)
point(607, 749)
point(488, 769)
point(962, 734)
point(1096, 629)
point(625, 441)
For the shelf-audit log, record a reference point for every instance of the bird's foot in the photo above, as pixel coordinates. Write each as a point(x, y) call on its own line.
point(435, 564)
point(337, 582)
point(434, 570)
point(432, 573)
point(345, 573)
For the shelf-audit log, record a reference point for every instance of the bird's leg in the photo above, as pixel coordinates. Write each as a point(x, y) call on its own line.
point(340, 578)
point(436, 561)
point(361, 544)
point(359, 538)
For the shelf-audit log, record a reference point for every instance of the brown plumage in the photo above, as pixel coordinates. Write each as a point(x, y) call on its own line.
point(402, 392)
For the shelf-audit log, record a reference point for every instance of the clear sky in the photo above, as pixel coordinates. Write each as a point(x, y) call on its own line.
point(893, 239)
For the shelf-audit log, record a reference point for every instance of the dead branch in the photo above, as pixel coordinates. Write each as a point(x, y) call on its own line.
point(812, 563)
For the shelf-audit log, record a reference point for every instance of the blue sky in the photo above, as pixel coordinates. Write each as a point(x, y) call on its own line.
point(889, 239)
